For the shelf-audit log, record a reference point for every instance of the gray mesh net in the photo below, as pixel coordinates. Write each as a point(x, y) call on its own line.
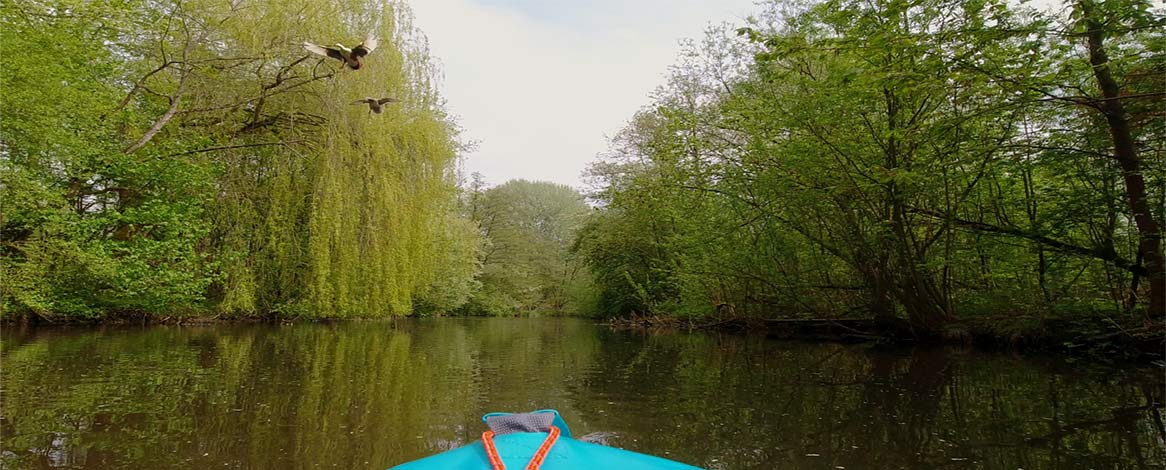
point(520, 422)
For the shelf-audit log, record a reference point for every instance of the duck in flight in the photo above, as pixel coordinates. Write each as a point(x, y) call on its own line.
point(350, 57)
point(375, 104)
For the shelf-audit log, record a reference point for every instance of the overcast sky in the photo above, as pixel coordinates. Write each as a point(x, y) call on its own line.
point(540, 84)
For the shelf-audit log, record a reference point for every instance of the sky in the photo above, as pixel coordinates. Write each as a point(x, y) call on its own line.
point(541, 85)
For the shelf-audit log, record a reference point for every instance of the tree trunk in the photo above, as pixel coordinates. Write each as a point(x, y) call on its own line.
point(879, 279)
point(1126, 154)
point(927, 307)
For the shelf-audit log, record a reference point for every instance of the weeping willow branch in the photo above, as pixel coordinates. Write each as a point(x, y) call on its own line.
point(284, 120)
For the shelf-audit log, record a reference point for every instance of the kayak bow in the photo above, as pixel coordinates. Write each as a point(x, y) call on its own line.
point(538, 440)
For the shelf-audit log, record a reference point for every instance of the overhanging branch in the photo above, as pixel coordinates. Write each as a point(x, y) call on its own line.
point(1104, 254)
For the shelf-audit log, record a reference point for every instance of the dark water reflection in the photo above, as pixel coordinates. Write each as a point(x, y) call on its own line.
point(371, 395)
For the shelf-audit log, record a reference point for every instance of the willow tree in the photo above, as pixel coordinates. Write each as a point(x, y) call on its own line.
point(346, 212)
point(228, 159)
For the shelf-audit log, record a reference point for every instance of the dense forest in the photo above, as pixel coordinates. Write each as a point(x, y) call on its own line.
point(945, 164)
point(954, 164)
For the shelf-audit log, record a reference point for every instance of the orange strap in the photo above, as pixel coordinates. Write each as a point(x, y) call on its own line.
point(535, 462)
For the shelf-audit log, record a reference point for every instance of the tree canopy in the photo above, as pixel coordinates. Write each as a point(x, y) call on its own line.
point(178, 157)
point(930, 160)
point(935, 162)
point(528, 228)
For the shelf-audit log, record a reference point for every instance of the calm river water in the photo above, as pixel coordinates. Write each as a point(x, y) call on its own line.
point(375, 394)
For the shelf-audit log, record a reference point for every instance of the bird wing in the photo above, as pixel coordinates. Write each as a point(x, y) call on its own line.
point(364, 101)
point(387, 100)
point(324, 51)
point(369, 44)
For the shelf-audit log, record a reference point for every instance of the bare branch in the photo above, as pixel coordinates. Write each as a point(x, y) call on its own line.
point(238, 146)
point(162, 121)
point(140, 84)
point(1100, 253)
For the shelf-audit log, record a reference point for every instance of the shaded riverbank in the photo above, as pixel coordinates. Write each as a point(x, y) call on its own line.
point(1099, 338)
point(1094, 337)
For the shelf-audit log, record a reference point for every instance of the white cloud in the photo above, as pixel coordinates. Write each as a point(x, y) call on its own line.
point(540, 85)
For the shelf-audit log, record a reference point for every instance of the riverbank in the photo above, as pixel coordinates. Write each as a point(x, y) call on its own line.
point(152, 319)
point(1099, 338)
point(207, 319)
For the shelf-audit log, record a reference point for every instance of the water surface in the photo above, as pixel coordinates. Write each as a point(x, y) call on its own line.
point(375, 394)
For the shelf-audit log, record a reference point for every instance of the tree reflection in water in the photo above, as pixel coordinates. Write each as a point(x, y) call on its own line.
point(371, 395)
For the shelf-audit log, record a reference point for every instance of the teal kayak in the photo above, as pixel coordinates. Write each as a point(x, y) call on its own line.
point(536, 440)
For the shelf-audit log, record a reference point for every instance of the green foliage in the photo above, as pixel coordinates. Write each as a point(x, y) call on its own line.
point(916, 159)
point(86, 229)
point(526, 263)
point(456, 280)
point(182, 157)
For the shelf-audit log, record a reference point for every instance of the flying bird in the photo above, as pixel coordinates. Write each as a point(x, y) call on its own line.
point(374, 104)
point(350, 57)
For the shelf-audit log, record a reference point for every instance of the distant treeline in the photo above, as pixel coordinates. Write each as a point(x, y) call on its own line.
point(942, 162)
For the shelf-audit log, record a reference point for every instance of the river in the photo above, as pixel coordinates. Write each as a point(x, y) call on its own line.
point(375, 394)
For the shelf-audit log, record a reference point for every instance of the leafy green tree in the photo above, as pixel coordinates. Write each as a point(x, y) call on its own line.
point(86, 228)
point(526, 262)
point(935, 161)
